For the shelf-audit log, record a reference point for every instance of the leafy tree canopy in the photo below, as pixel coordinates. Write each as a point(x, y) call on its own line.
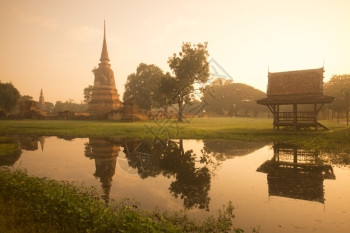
point(9, 96)
point(69, 105)
point(189, 66)
point(25, 98)
point(337, 87)
point(88, 93)
point(142, 87)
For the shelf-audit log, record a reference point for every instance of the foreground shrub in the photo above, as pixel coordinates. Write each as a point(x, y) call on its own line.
point(29, 204)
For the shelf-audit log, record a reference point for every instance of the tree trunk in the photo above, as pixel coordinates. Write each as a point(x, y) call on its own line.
point(181, 147)
point(180, 112)
point(165, 109)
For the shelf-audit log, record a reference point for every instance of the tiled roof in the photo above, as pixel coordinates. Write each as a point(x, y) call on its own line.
point(296, 82)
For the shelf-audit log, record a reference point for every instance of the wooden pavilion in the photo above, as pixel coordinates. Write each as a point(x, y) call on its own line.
point(295, 98)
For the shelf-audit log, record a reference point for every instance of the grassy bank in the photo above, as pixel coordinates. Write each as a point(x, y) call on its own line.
point(29, 204)
point(199, 128)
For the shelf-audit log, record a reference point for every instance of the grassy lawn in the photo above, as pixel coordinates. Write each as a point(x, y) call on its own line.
point(254, 129)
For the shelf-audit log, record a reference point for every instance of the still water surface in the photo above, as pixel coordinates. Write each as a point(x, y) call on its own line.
point(279, 187)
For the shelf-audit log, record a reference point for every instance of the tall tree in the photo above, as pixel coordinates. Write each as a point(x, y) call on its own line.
point(9, 96)
point(88, 93)
point(337, 87)
point(165, 92)
point(142, 86)
point(189, 66)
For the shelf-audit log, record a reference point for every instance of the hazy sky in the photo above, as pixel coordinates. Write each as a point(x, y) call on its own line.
point(54, 45)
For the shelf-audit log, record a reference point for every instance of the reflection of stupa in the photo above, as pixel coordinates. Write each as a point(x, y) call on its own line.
point(105, 154)
point(104, 96)
point(296, 173)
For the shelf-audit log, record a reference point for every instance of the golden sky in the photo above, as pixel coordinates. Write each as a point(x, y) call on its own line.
point(54, 45)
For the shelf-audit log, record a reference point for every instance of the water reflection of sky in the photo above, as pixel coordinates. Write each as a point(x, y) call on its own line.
point(228, 173)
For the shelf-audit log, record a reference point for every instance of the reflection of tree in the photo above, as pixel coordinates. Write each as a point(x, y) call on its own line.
point(105, 153)
point(31, 142)
point(226, 149)
point(144, 156)
point(192, 184)
point(192, 179)
point(338, 158)
point(296, 173)
point(11, 147)
point(10, 152)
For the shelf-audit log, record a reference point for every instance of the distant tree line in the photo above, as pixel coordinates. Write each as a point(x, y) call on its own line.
point(226, 98)
point(339, 87)
point(10, 99)
point(69, 105)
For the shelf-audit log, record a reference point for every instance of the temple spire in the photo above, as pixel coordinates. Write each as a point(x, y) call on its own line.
point(104, 54)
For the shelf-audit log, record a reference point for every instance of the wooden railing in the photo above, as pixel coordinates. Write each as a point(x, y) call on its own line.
point(301, 117)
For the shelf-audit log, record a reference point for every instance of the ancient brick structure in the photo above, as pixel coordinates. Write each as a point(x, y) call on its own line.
point(104, 96)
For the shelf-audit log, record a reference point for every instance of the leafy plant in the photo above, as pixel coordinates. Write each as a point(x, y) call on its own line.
point(30, 204)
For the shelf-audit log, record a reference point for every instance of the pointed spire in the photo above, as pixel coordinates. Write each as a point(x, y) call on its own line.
point(104, 54)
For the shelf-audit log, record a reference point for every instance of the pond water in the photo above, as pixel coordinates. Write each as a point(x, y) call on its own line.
point(279, 187)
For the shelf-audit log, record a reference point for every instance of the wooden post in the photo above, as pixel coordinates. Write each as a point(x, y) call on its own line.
point(315, 117)
point(274, 117)
point(347, 108)
point(295, 157)
point(278, 116)
point(295, 116)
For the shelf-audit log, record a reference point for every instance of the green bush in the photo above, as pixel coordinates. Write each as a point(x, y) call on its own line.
point(30, 204)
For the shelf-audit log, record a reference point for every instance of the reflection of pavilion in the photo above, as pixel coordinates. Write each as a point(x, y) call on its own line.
point(105, 155)
point(296, 173)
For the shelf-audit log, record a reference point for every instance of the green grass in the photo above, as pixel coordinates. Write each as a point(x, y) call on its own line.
point(30, 204)
point(255, 129)
point(7, 149)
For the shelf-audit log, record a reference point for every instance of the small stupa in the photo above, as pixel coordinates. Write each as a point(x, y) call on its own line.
point(41, 103)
